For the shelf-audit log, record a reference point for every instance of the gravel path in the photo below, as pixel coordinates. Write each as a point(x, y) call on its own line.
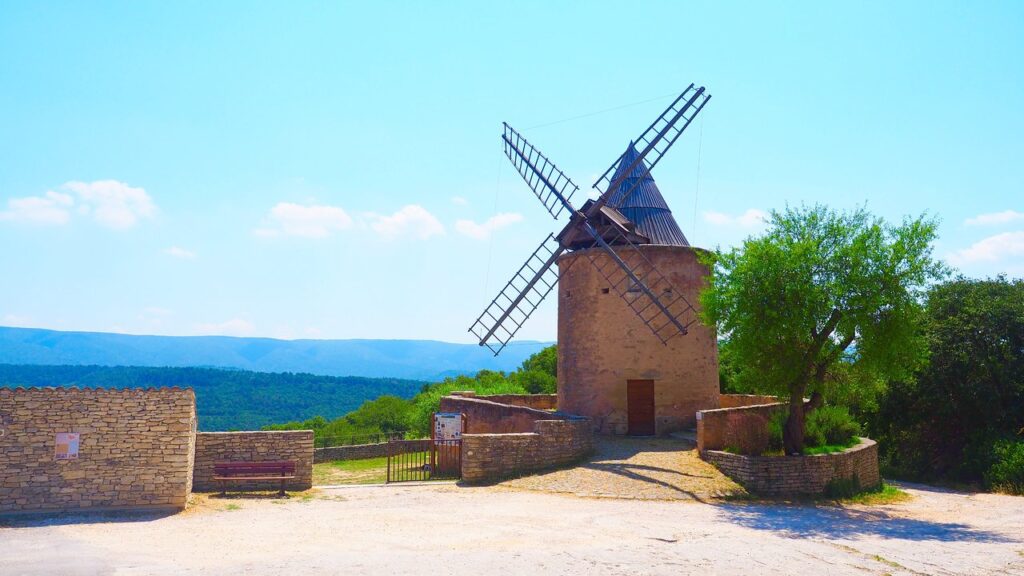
point(451, 530)
point(637, 468)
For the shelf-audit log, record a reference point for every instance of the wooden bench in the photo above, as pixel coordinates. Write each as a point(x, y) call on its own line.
point(224, 472)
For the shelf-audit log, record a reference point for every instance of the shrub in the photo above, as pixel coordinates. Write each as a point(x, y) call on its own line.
point(1007, 470)
point(830, 426)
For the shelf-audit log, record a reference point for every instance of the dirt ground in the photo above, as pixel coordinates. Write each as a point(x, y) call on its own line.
point(446, 529)
point(637, 468)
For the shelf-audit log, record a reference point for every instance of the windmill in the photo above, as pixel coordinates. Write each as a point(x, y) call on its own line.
point(601, 229)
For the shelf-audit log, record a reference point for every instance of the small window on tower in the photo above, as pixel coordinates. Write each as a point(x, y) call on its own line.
point(604, 290)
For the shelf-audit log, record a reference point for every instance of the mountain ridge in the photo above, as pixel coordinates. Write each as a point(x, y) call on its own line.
point(394, 358)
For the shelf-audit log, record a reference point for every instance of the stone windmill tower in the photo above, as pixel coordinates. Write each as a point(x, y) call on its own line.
point(632, 354)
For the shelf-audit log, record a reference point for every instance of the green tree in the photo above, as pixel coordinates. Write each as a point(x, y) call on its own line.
point(538, 374)
point(944, 422)
point(820, 287)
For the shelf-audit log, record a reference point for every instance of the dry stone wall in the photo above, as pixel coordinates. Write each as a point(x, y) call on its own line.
point(491, 457)
point(134, 448)
point(800, 475)
point(742, 426)
point(211, 447)
point(353, 452)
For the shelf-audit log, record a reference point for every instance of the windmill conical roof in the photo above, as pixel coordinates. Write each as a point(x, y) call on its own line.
point(645, 206)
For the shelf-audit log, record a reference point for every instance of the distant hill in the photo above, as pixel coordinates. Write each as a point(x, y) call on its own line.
point(227, 399)
point(412, 359)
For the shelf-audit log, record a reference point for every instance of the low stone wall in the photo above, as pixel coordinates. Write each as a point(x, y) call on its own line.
point(353, 452)
point(491, 457)
point(738, 400)
point(485, 416)
point(800, 475)
point(134, 449)
point(744, 426)
point(211, 447)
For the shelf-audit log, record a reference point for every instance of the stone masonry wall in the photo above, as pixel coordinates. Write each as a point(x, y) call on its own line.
point(134, 448)
point(491, 457)
point(353, 452)
point(799, 475)
point(717, 429)
point(484, 416)
point(211, 447)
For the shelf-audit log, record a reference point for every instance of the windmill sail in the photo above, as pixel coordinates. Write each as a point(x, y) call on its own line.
point(653, 143)
point(510, 309)
point(551, 186)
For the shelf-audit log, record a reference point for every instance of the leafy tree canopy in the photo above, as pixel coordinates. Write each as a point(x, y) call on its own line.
point(944, 422)
point(820, 286)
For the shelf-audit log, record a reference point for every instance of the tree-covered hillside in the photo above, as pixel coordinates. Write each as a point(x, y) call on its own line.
point(389, 414)
point(227, 399)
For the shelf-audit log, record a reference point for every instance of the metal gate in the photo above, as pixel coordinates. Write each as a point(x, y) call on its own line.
point(439, 458)
point(420, 460)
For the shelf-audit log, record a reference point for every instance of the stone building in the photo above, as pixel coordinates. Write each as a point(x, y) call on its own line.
point(611, 367)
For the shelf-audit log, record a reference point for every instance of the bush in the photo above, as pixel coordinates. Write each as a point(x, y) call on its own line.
point(1007, 470)
point(830, 426)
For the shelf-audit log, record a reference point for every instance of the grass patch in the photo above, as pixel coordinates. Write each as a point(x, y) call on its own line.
point(831, 448)
point(233, 507)
point(365, 471)
point(883, 494)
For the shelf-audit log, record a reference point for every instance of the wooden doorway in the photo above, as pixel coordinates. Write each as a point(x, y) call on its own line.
point(640, 407)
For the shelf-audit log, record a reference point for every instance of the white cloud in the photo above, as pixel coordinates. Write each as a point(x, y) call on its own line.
point(157, 311)
point(233, 327)
point(307, 221)
point(991, 249)
point(412, 220)
point(177, 252)
point(484, 230)
point(752, 218)
point(113, 204)
point(52, 208)
point(459, 201)
point(995, 218)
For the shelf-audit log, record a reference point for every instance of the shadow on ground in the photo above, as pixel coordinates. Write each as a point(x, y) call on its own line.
point(808, 521)
point(68, 518)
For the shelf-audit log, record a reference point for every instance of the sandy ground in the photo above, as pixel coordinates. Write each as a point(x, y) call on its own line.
point(451, 530)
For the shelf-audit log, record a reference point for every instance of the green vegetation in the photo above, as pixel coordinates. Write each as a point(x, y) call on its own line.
point(960, 418)
point(390, 414)
point(226, 399)
point(795, 300)
point(936, 376)
point(883, 494)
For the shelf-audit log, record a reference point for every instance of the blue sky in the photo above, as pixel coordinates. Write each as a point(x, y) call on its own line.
point(334, 170)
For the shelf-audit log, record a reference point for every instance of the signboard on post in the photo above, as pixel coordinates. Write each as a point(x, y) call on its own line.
point(447, 426)
point(66, 446)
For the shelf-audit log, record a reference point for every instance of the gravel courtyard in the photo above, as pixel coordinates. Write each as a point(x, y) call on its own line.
point(445, 529)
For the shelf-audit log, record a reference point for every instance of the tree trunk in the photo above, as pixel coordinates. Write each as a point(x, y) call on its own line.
point(793, 431)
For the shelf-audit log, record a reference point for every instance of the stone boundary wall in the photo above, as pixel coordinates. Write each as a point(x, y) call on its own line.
point(134, 449)
point(741, 426)
point(352, 452)
point(265, 446)
point(484, 416)
point(739, 400)
point(800, 475)
point(492, 457)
